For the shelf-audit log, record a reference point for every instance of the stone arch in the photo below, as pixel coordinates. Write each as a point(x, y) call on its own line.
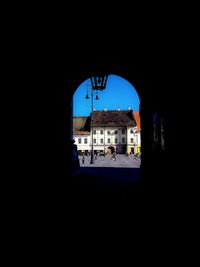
point(129, 73)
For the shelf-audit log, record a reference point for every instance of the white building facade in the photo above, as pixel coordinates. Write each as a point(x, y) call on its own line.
point(116, 132)
point(83, 142)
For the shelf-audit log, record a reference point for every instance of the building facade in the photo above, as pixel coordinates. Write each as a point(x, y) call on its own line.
point(113, 131)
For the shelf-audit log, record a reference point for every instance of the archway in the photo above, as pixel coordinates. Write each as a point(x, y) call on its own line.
point(110, 150)
point(112, 126)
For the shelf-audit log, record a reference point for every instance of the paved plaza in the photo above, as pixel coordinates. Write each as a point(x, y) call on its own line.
point(122, 161)
point(104, 169)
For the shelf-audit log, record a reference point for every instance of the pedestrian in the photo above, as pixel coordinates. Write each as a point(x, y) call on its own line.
point(136, 156)
point(83, 159)
point(113, 157)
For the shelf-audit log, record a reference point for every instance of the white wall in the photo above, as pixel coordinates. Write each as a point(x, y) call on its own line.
point(98, 136)
point(83, 146)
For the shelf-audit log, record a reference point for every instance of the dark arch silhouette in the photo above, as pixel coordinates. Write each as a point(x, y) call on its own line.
point(149, 95)
point(47, 177)
point(119, 147)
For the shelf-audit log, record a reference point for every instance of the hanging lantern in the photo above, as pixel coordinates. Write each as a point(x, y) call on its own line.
point(99, 82)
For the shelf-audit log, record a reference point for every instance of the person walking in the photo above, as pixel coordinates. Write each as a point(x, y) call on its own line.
point(83, 159)
point(113, 157)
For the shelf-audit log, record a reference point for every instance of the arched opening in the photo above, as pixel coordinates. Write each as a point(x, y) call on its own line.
point(154, 121)
point(109, 122)
point(110, 150)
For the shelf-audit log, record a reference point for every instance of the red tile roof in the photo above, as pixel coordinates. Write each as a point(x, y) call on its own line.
point(136, 115)
point(113, 118)
point(109, 118)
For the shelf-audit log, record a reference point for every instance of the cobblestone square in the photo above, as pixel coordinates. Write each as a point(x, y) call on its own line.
point(122, 161)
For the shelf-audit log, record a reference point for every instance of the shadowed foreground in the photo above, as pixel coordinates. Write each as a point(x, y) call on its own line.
point(106, 185)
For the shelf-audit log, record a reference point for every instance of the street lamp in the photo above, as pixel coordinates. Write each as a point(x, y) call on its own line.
point(98, 82)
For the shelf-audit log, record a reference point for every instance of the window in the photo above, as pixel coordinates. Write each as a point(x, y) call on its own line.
point(101, 131)
point(123, 131)
point(116, 132)
point(108, 132)
point(94, 131)
point(123, 139)
point(101, 140)
point(85, 140)
point(131, 131)
point(116, 140)
point(108, 140)
point(95, 140)
point(79, 140)
point(131, 140)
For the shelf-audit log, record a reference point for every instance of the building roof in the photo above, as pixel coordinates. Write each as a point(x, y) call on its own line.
point(81, 125)
point(136, 115)
point(113, 118)
point(84, 133)
point(109, 118)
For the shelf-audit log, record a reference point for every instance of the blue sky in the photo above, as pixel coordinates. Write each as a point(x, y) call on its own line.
point(119, 93)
